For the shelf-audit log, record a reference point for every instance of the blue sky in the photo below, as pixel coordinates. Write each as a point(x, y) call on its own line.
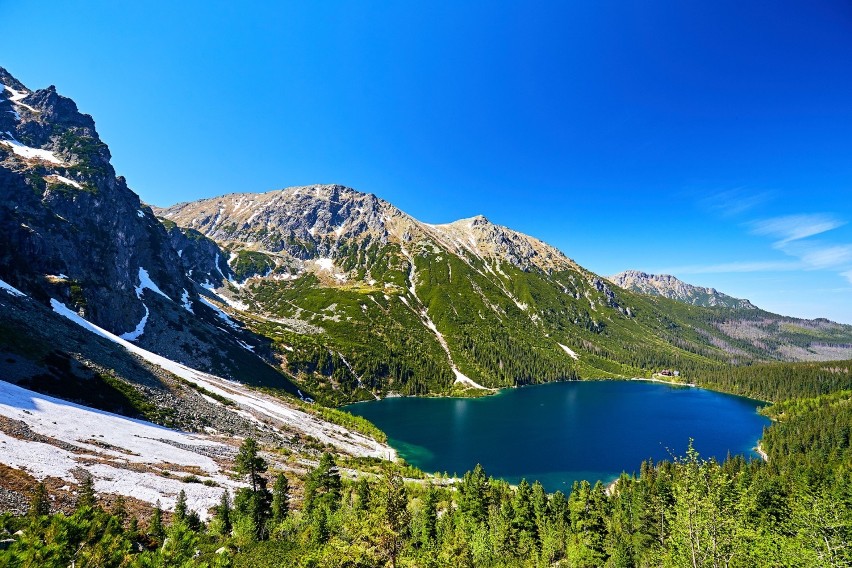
point(711, 141)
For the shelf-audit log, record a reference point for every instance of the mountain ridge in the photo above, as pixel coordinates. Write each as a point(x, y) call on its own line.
point(671, 287)
point(317, 248)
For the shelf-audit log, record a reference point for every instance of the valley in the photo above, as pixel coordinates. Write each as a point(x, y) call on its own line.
point(162, 367)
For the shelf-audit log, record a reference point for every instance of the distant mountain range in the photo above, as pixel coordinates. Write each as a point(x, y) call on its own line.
point(670, 287)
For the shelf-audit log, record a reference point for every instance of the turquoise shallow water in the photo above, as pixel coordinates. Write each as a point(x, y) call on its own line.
point(562, 432)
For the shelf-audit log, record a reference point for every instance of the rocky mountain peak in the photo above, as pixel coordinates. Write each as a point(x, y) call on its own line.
point(669, 286)
point(62, 207)
point(58, 109)
point(8, 80)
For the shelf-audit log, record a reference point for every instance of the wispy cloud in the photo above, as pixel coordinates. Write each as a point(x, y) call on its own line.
point(732, 267)
point(795, 227)
point(847, 275)
point(828, 257)
point(735, 201)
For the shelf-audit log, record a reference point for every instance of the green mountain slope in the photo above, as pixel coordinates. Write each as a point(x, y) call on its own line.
point(359, 299)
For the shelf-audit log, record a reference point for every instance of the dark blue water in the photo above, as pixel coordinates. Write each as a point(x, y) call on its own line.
point(561, 432)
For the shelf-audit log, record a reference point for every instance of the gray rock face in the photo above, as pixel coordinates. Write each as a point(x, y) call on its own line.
point(202, 259)
point(303, 223)
point(71, 229)
point(670, 287)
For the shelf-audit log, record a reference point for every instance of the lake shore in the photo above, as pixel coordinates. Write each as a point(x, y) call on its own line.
point(655, 380)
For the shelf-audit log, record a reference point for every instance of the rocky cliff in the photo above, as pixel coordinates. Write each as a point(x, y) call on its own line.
point(71, 230)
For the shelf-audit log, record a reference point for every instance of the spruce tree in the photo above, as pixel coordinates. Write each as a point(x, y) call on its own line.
point(254, 502)
point(223, 512)
point(86, 492)
point(474, 494)
point(119, 509)
point(429, 526)
point(180, 506)
point(396, 516)
point(39, 502)
point(522, 508)
point(323, 486)
point(362, 491)
point(155, 528)
point(280, 498)
point(249, 463)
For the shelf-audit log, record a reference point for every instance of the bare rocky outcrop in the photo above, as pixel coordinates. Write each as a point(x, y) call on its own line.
point(670, 287)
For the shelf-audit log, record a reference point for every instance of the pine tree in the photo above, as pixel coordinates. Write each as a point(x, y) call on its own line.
point(39, 502)
point(86, 492)
point(249, 463)
point(429, 526)
point(155, 528)
point(362, 491)
point(223, 513)
point(180, 506)
point(280, 498)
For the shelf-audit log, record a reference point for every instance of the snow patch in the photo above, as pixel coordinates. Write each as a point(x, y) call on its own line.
point(463, 379)
point(65, 180)
point(236, 304)
point(145, 282)
point(569, 351)
point(217, 267)
point(140, 214)
point(30, 153)
point(140, 327)
point(130, 441)
point(253, 404)
point(325, 264)
point(184, 299)
point(222, 315)
point(11, 289)
point(16, 96)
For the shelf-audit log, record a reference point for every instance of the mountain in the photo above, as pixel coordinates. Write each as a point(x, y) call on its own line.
point(360, 298)
point(73, 231)
point(104, 326)
point(670, 287)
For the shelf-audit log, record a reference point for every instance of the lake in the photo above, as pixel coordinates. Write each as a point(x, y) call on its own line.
point(561, 432)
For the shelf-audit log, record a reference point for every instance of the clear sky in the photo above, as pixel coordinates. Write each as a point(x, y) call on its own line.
point(712, 140)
